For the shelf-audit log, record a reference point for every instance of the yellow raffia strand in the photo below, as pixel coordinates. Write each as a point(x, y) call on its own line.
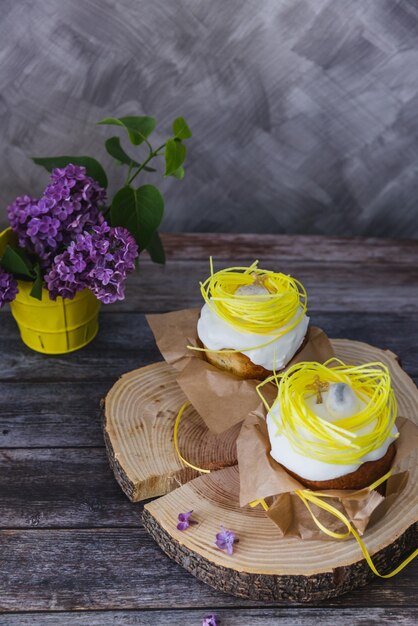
point(262, 502)
point(176, 440)
point(341, 442)
point(275, 313)
point(307, 496)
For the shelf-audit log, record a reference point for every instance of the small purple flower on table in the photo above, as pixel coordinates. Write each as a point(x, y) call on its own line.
point(210, 620)
point(185, 521)
point(8, 287)
point(225, 540)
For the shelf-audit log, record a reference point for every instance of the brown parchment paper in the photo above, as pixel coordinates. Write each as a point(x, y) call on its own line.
point(220, 398)
point(261, 477)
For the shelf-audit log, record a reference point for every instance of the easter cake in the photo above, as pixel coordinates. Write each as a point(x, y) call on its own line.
point(253, 321)
point(332, 426)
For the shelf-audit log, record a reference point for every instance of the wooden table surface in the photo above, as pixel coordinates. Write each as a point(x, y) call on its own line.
point(72, 549)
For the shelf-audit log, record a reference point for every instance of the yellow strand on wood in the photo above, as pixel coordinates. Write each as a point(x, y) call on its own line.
point(310, 497)
point(262, 502)
point(176, 440)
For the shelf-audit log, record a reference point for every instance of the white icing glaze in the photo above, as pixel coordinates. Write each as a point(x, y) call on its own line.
point(312, 469)
point(216, 334)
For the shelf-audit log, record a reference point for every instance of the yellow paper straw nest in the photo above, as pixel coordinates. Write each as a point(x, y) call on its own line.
point(338, 442)
point(275, 313)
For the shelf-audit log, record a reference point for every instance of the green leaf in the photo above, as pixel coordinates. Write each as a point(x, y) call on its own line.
point(156, 249)
point(93, 167)
point(150, 205)
point(179, 173)
point(117, 152)
point(123, 210)
point(175, 153)
point(139, 210)
point(36, 291)
point(15, 261)
point(180, 128)
point(139, 128)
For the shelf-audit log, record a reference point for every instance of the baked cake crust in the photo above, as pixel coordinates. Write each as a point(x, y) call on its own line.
point(365, 475)
point(240, 365)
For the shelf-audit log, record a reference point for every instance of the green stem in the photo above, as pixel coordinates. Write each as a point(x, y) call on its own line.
point(129, 173)
point(141, 167)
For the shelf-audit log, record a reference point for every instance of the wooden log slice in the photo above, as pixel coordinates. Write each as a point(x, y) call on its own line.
point(265, 566)
point(138, 421)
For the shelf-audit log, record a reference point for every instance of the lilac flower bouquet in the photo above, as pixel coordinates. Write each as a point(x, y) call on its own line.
point(71, 238)
point(65, 238)
point(74, 239)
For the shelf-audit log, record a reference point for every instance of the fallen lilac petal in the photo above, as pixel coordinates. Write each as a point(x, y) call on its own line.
point(225, 540)
point(185, 521)
point(184, 517)
point(210, 620)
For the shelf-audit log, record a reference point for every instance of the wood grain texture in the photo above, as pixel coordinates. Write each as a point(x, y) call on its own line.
point(49, 402)
point(74, 569)
point(227, 617)
point(258, 579)
point(139, 414)
point(225, 247)
point(61, 488)
point(23, 424)
point(332, 287)
point(369, 275)
point(266, 566)
point(125, 342)
point(50, 414)
point(304, 113)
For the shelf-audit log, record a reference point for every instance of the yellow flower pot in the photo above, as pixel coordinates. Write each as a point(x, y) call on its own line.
point(53, 327)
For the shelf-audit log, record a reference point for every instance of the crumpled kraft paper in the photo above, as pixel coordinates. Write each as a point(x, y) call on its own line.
point(220, 398)
point(261, 477)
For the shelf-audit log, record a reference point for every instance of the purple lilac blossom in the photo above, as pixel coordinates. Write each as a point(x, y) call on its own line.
point(185, 521)
point(225, 540)
point(70, 203)
point(8, 287)
point(210, 620)
point(99, 259)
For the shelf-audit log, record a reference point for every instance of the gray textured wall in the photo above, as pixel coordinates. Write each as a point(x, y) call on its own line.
point(304, 112)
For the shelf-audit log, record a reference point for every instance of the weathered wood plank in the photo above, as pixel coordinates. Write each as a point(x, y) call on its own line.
point(285, 616)
point(50, 414)
point(360, 289)
point(331, 287)
point(125, 342)
point(75, 424)
point(123, 569)
point(46, 413)
point(61, 488)
point(195, 246)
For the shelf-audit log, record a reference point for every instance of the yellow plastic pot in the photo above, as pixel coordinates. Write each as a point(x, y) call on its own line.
point(53, 327)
